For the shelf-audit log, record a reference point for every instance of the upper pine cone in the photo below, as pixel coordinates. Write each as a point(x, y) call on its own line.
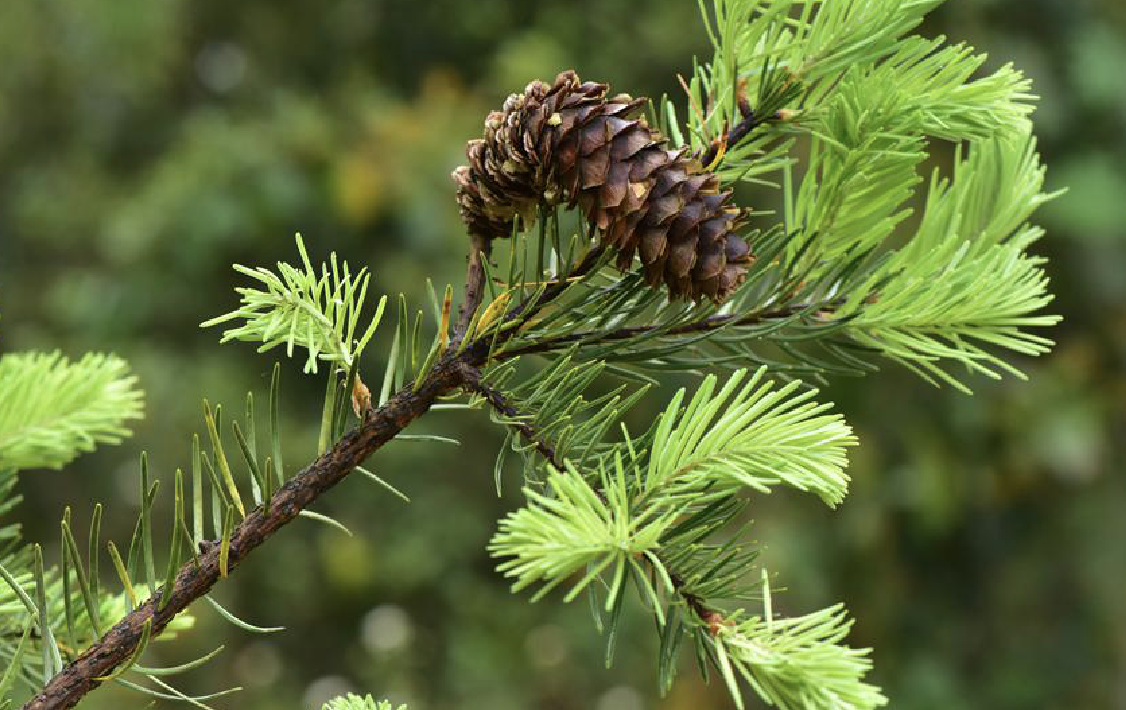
point(568, 142)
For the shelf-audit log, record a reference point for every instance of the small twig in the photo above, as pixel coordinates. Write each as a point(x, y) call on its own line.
point(730, 139)
point(471, 380)
point(706, 614)
point(741, 100)
point(474, 286)
point(591, 337)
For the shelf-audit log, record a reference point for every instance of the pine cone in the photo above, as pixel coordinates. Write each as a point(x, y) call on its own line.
point(570, 143)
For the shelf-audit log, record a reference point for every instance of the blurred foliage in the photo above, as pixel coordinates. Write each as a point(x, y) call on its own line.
point(145, 146)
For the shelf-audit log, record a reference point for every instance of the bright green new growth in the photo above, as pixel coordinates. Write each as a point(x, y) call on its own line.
point(355, 702)
point(797, 663)
point(749, 436)
point(52, 409)
point(870, 102)
point(965, 280)
point(576, 526)
point(299, 308)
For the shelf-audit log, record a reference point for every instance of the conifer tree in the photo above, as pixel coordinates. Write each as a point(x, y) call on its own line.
point(605, 243)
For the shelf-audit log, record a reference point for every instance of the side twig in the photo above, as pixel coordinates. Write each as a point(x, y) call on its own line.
point(472, 381)
point(709, 616)
point(592, 337)
point(474, 286)
point(730, 139)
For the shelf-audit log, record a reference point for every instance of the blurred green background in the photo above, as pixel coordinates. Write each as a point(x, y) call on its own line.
point(145, 146)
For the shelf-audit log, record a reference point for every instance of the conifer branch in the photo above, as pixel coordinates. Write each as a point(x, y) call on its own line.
point(546, 449)
point(351, 701)
point(196, 577)
point(870, 96)
point(301, 307)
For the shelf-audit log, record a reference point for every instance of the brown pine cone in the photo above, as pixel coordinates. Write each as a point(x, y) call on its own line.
point(570, 143)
